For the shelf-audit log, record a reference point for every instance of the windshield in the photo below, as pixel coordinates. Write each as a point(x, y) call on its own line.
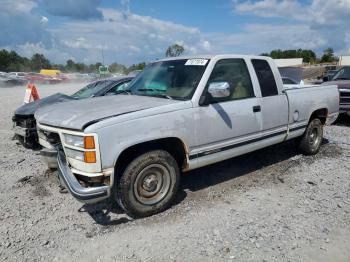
point(177, 79)
point(91, 89)
point(343, 74)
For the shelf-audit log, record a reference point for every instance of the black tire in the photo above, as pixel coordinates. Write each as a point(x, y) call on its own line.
point(310, 142)
point(148, 184)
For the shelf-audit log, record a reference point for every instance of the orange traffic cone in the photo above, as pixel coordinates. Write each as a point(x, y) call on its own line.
point(31, 94)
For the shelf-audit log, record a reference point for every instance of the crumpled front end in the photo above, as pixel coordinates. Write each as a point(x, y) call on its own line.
point(24, 128)
point(78, 161)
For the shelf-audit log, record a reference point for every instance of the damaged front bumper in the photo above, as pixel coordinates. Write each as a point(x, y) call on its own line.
point(83, 194)
point(50, 157)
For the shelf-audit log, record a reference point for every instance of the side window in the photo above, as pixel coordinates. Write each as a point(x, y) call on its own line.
point(117, 88)
point(234, 72)
point(265, 76)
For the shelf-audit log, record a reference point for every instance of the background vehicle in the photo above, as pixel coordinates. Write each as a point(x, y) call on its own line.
point(291, 75)
point(342, 80)
point(8, 81)
point(24, 122)
point(329, 75)
point(179, 114)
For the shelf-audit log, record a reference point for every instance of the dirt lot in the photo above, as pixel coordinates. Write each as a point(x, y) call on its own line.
point(270, 205)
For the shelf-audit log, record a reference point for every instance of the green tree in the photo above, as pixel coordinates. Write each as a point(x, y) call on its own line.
point(117, 68)
point(139, 66)
point(328, 56)
point(70, 65)
point(39, 61)
point(174, 50)
point(308, 56)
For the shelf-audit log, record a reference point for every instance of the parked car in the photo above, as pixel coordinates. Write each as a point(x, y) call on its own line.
point(342, 80)
point(177, 115)
point(17, 75)
point(7, 81)
point(41, 79)
point(24, 122)
point(329, 75)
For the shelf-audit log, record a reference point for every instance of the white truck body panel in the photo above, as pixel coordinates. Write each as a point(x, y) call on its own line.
point(209, 133)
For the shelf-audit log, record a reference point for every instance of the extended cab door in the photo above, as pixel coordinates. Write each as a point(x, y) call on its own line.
point(224, 124)
point(274, 103)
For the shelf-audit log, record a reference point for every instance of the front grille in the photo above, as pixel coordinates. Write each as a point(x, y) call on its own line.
point(344, 97)
point(344, 100)
point(25, 122)
point(51, 137)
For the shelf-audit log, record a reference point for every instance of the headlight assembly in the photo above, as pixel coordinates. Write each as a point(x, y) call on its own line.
point(72, 140)
point(80, 148)
point(86, 142)
point(75, 154)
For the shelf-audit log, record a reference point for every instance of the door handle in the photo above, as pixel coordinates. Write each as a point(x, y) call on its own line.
point(256, 109)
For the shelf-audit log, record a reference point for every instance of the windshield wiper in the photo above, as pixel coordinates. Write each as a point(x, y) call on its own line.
point(341, 78)
point(155, 90)
point(123, 91)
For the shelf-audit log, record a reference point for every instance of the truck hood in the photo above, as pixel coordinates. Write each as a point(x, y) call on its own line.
point(30, 108)
point(345, 84)
point(77, 115)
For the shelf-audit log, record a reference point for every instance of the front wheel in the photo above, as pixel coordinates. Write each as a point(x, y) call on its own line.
point(149, 184)
point(311, 141)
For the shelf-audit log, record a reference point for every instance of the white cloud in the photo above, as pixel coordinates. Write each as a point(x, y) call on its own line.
point(44, 20)
point(326, 22)
point(330, 12)
point(257, 38)
point(19, 25)
point(75, 9)
point(128, 39)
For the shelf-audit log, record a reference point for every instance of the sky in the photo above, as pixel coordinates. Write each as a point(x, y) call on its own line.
point(131, 31)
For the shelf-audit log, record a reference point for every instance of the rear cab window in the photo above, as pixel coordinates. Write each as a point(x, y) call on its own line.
point(266, 78)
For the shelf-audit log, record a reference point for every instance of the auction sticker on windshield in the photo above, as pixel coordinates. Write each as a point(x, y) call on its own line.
point(196, 62)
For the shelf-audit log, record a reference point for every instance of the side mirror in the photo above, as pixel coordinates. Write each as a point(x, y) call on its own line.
point(219, 89)
point(325, 79)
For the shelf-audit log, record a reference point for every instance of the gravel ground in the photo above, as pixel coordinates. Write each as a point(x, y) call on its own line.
point(270, 205)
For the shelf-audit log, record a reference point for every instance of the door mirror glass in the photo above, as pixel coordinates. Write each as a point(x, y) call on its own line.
point(219, 89)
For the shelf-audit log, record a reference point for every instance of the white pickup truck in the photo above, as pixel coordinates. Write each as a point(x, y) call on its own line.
point(179, 114)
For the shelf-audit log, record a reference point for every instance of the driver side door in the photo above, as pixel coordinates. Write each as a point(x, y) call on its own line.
point(229, 122)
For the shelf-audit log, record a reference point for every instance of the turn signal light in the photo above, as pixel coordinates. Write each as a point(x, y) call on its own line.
point(89, 142)
point(90, 157)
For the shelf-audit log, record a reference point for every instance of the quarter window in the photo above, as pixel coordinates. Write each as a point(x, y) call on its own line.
point(265, 76)
point(234, 72)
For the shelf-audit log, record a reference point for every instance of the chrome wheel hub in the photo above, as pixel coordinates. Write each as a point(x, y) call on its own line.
point(314, 137)
point(152, 184)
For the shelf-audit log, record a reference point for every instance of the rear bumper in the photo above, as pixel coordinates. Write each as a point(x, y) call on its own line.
point(83, 194)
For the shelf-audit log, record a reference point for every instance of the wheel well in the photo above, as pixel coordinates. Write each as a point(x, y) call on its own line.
point(173, 145)
point(320, 114)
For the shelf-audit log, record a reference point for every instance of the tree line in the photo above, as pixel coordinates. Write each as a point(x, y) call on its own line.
point(308, 56)
point(10, 61)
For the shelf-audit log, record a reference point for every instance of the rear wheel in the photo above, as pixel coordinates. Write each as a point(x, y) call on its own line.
point(149, 184)
point(311, 141)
